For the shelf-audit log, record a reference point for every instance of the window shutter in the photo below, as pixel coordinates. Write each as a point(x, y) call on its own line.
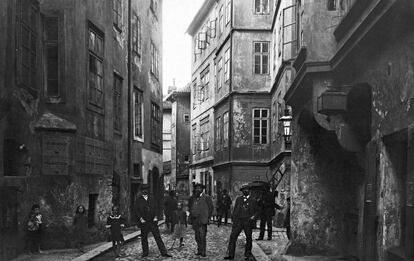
point(289, 32)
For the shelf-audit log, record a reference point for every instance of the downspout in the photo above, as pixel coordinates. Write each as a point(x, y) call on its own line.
point(230, 131)
point(129, 136)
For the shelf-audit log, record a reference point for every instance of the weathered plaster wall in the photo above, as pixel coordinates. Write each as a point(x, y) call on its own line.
point(325, 184)
point(245, 18)
point(242, 69)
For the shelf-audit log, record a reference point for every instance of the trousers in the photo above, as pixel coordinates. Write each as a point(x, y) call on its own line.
point(200, 231)
point(153, 228)
point(238, 225)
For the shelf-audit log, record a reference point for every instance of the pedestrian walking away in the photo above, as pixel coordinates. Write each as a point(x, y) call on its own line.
point(170, 205)
point(115, 223)
point(80, 227)
point(179, 221)
point(267, 211)
point(148, 221)
point(223, 207)
point(245, 213)
point(201, 209)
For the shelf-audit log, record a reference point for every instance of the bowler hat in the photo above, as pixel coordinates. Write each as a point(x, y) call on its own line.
point(199, 185)
point(145, 186)
point(245, 186)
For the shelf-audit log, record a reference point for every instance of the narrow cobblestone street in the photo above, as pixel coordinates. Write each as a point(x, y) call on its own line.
point(217, 240)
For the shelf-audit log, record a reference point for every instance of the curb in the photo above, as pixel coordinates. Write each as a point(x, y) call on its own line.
point(258, 253)
point(107, 246)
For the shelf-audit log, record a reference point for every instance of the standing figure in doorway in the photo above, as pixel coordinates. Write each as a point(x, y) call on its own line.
point(244, 215)
point(268, 210)
point(201, 209)
point(148, 222)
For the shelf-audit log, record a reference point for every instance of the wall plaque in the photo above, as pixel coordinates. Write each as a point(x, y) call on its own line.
point(55, 155)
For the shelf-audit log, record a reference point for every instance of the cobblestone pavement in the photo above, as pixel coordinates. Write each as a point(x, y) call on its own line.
point(217, 241)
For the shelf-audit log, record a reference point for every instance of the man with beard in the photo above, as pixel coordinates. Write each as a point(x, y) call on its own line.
point(244, 215)
point(148, 221)
point(201, 208)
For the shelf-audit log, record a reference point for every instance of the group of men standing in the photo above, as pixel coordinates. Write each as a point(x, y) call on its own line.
point(246, 211)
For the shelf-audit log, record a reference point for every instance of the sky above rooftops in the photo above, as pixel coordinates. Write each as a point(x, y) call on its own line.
point(177, 16)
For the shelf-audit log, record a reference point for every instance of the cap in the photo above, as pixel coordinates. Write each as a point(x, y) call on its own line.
point(245, 186)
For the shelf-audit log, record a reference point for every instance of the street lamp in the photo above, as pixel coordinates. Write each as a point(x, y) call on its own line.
point(287, 128)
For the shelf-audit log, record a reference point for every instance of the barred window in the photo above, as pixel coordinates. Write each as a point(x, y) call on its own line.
point(260, 126)
point(261, 57)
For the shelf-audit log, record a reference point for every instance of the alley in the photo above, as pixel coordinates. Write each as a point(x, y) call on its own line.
point(217, 240)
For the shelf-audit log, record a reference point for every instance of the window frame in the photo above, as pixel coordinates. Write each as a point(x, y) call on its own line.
point(184, 118)
point(117, 14)
point(52, 43)
point(261, 120)
point(93, 53)
point(204, 133)
point(228, 4)
point(136, 93)
point(261, 54)
point(194, 138)
point(227, 65)
point(219, 69)
point(205, 84)
point(262, 10)
point(154, 69)
point(156, 136)
point(221, 20)
point(225, 142)
point(136, 35)
point(218, 139)
point(117, 103)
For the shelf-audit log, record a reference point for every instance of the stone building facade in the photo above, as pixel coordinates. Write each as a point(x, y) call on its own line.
point(80, 113)
point(180, 140)
point(351, 94)
point(237, 38)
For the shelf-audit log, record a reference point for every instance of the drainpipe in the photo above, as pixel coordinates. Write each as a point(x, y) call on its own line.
point(230, 132)
point(129, 136)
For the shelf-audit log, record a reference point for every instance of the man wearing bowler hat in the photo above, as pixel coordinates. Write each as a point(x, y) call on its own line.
point(148, 222)
point(245, 213)
point(200, 212)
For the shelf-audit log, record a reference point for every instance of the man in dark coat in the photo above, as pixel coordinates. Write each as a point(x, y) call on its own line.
point(223, 207)
point(245, 213)
point(268, 210)
point(286, 223)
point(147, 220)
point(170, 204)
point(201, 208)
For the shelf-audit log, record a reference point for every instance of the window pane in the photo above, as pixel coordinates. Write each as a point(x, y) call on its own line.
point(264, 123)
point(257, 6)
point(264, 113)
point(256, 140)
point(265, 6)
point(264, 139)
point(265, 64)
point(92, 64)
point(257, 47)
point(256, 113)
point(265, 47)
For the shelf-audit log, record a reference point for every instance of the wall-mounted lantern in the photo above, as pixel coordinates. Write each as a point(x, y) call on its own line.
point(286, 120)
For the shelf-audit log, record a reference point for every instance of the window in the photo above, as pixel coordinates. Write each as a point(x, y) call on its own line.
point(186, 118)
point(154, 6)
point(289, 32)
point(136, 35)
point(218, 133)
point(221, 21)
point(194, 137)
point(219, 69)
point(205, 81)
point(332, 5)
point(186, 158)
point(274, 120)
point(155, 125)
point(260, 125)
point(261, 6)
point(154, 60)
point(117, 102)
point(194, 93)
point(227, 65)
point(228, 11)
point(27, 18)
point(52, 56)
point(226, 129)
point(137, 170)
point(138, 113)
point(95, 45)
point(117, 9)
point(204, 134)
point(261, 57)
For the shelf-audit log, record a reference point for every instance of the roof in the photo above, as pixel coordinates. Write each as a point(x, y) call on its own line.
point(200, 16)
point(186, 90)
